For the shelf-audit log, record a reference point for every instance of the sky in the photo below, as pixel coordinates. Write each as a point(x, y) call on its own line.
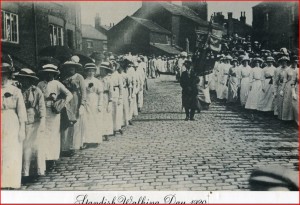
point(113, 12)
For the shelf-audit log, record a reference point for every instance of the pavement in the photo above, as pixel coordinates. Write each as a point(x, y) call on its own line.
point(161, 151)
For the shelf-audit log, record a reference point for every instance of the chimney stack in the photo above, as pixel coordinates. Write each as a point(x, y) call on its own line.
point(229, 15)
point(97, 21)
point(243, 17)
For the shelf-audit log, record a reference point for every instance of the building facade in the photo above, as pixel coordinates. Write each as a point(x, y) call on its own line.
point(181, 21)
point(27, 28)
point(140, 36)
point(276, 24)
point(93, 40)
point(233, 25)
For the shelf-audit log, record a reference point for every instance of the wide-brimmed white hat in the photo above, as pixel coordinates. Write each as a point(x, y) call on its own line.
point(50, 68)
point(26, 73)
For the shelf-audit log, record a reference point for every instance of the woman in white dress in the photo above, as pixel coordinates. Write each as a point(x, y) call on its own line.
point(35, 125)
point(107, 125)
point(94, 106)
point(233, 82)
point(223, 92)
point(255, 89)
point(13, 114)
point(295, 91)
point(244, 79)
point(266, 102)
point(52, 90)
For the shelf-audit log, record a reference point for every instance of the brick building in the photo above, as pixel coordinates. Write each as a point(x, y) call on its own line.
point(93, 40)
point(181, 21)
point(29, 27)
point(276, 24)
point(233, 25)
point(139, 35)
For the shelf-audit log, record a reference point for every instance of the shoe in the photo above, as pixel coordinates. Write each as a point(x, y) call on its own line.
point(186, 119)
point(121, 131)
point(139, 110)
point(130, 123)
point(193, 119)
point(105, 138)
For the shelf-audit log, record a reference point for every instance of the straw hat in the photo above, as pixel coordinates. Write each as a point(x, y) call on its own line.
point(90, 66)
point(50, 68)
point(6, 68)
point(71, 64)
point(26, 73)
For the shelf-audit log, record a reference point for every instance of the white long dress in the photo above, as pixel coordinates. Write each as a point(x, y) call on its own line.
point(245, 83)
point(256, 78)
point(52, 140)
point(93, 118)
point(13, 112)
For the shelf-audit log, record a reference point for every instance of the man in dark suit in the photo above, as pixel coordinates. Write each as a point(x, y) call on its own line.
point(187, 82)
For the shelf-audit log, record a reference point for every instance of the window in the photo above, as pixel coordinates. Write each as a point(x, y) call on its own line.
point(89, 44)
point(10, 27)
point(105, 46)
point(127, 38)
point(56, 35)
point(70, 38)
point(168, 40)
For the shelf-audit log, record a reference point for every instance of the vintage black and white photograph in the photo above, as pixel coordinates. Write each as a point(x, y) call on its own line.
point(150, 96)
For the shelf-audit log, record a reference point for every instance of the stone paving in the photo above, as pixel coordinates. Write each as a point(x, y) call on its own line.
point(161, 151)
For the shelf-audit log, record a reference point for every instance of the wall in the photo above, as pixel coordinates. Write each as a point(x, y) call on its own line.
point(25, 54)
point(97, 46)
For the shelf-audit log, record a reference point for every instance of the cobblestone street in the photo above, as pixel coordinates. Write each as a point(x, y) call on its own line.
point(161, 151)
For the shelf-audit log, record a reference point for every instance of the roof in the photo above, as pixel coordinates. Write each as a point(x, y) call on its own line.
point(89, 31)
point(166, 48)
point(184, 11)
point(274, 4)
point(105, 27)
point(150, 25)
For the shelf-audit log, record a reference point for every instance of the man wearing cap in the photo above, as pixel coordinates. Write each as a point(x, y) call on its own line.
point(117, 99)
point(13, 113)
point(35, 125)
point(189, 93)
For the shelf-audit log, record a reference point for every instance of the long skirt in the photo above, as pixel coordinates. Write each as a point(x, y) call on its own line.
point(117, 110)
point(92, 133)
point(266, 100)
point(296, 106)
point(278, 102)
point(32, 150)
point(12, 150)
point(204, 95)
point(212, 82)
point(107, 122)
point(140, 98)
point(253, 97)
point(125, 107)
point(244, 90)
point(133, 107)
point(79, 132)
point(51, 141)
point(287, 106)
point(233, 89)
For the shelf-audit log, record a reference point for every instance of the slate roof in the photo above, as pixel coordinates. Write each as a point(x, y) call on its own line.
point(150, 25)
point(89, 31)
point(166, 48)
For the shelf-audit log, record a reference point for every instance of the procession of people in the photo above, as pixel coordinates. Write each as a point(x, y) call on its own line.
point(63, 108)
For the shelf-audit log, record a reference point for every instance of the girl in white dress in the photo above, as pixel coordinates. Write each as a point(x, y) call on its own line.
point(94, 106)
point(13, 114)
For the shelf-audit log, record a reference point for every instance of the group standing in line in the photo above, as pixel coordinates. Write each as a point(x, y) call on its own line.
point(51, 114)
